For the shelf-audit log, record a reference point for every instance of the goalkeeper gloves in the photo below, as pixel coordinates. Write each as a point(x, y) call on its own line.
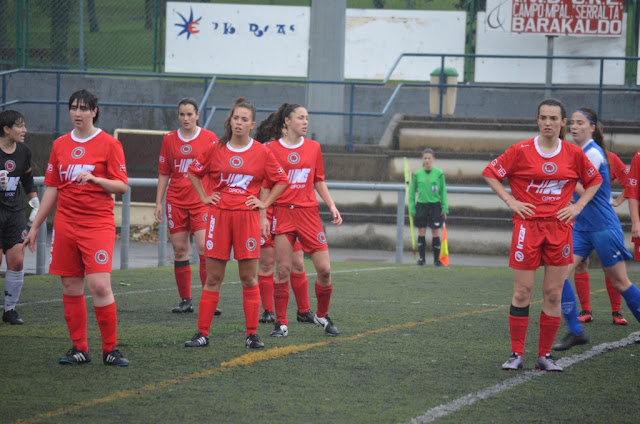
point(34, 202)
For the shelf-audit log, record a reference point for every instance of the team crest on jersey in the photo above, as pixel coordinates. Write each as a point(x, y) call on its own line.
point(205, 217)
point(102, 257)
point(549, 168)
point(24, 234)
point(566, 250)
point(262, 241)
point(322, 238)
point(236, 162)
point(186, 149)
point(293, 158)
point(10, 165)
point(77, 153)
point(209, 245)
point(519, 256)
point(171, 224)
point(251, 244)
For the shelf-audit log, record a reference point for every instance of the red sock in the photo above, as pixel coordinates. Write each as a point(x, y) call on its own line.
point(614, 295)
point(281, 298)
point(548, 329)
point(300, 286)
point(108, 324)
point(518, 332)
point(75, 313)
point(206, 310)
point(582, 290)
point(323, 295)
point(182, 271)
point(251, 305)
point(266, 291)
point(203, 270)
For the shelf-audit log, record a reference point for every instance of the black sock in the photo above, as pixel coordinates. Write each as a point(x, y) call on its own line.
point(435, 245)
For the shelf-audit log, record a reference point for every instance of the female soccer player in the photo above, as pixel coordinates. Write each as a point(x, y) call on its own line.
point(597, 228)
point(15, 165)
point(85, 168)
point(542, 172)
point(296, 214)
point(185, 212)
point(237, 166)
point(266, 264)
point(431, 207)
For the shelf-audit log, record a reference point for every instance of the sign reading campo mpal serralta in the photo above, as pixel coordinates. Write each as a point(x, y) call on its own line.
point(218, 38)
point(557, 17)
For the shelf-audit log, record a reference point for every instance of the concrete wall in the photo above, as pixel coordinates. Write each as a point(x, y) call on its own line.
point(471, 102)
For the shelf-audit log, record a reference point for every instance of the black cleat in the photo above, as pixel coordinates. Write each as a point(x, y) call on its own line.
point(12, 317)
point(420, 262)
point(439, 264)
point(306, 317)
point(267, 317)
point(198, 340)
point(218, 312)
point(184, 306)
point(75, 356)
point(253, 342)
point(329, 328)
point(571, 340)
point(115, 358)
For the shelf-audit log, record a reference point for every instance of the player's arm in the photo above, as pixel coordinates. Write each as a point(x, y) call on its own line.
point(163, 182)
point(49, 199)
point(569, 212)
point(323, 191)
point(512, 203)
point(110, 186)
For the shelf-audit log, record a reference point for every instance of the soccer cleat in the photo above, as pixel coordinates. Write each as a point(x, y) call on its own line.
point(329, 328)
point(280, 330)
point(75, 356)
point(571, 340)
point(12, 317)
point(218, 312)
point(306, 317)
point(253, 342)
point(585, 316)
point(198, 340)
point(546, 363)
point(267, 317)
point(439, 264)
point(184, 306)
point(513, 363)
point(420, 262)
point(115, 358)
point(618, 319)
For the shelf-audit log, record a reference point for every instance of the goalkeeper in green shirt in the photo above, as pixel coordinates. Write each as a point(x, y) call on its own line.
point(431, 207)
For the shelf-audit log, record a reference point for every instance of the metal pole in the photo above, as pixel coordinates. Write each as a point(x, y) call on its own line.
point(549, 75)
point(41, 241)
point(400, 227)
point(125, 230)
point(81, 35)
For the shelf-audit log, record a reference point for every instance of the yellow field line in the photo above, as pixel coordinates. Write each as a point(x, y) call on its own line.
point(246, 360)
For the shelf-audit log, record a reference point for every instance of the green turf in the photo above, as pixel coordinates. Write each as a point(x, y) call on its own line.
point(412, 338)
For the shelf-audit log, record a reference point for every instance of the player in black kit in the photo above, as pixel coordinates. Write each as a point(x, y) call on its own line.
point(15, 170)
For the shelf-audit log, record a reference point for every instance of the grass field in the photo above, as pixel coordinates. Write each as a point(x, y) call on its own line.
point(419, 344)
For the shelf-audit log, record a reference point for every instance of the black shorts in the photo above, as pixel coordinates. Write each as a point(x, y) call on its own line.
point(428, 215)
point(13, 228)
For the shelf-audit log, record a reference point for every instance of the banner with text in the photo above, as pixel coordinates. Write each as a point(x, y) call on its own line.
point(556, 17)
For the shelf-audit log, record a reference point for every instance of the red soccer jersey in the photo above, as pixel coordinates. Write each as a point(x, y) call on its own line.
point(176, 154)
point(304, 167)
point(618, 170)
point(100, 154)
point(238, 173)
point(544, 180)
point(631, 190)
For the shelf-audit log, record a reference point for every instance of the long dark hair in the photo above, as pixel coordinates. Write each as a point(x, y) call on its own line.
point(263, 131)
point(598, 134)
point(87, 98)
point(240, 102)
point(563, 113)
point(273, 126)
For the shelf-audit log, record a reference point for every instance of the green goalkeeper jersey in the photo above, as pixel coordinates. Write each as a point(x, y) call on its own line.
point(431, 188)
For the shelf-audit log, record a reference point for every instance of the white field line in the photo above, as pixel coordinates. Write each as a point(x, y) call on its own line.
point(59, 300)
point(455, 405)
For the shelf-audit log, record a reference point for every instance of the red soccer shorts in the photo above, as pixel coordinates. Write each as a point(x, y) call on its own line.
point(193, 219)
point(77, 249)
point(303, 224)
point(538, 242)
point(269, 242)
point(237, 229)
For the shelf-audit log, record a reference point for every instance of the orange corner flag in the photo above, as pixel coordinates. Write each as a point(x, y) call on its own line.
point(444, 247)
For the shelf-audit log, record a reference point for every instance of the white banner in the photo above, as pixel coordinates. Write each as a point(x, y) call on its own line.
point(237, 40)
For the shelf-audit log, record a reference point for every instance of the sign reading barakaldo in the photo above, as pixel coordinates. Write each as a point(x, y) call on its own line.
point(557, 17)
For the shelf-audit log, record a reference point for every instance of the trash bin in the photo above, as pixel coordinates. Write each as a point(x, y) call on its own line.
point(448, 95)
